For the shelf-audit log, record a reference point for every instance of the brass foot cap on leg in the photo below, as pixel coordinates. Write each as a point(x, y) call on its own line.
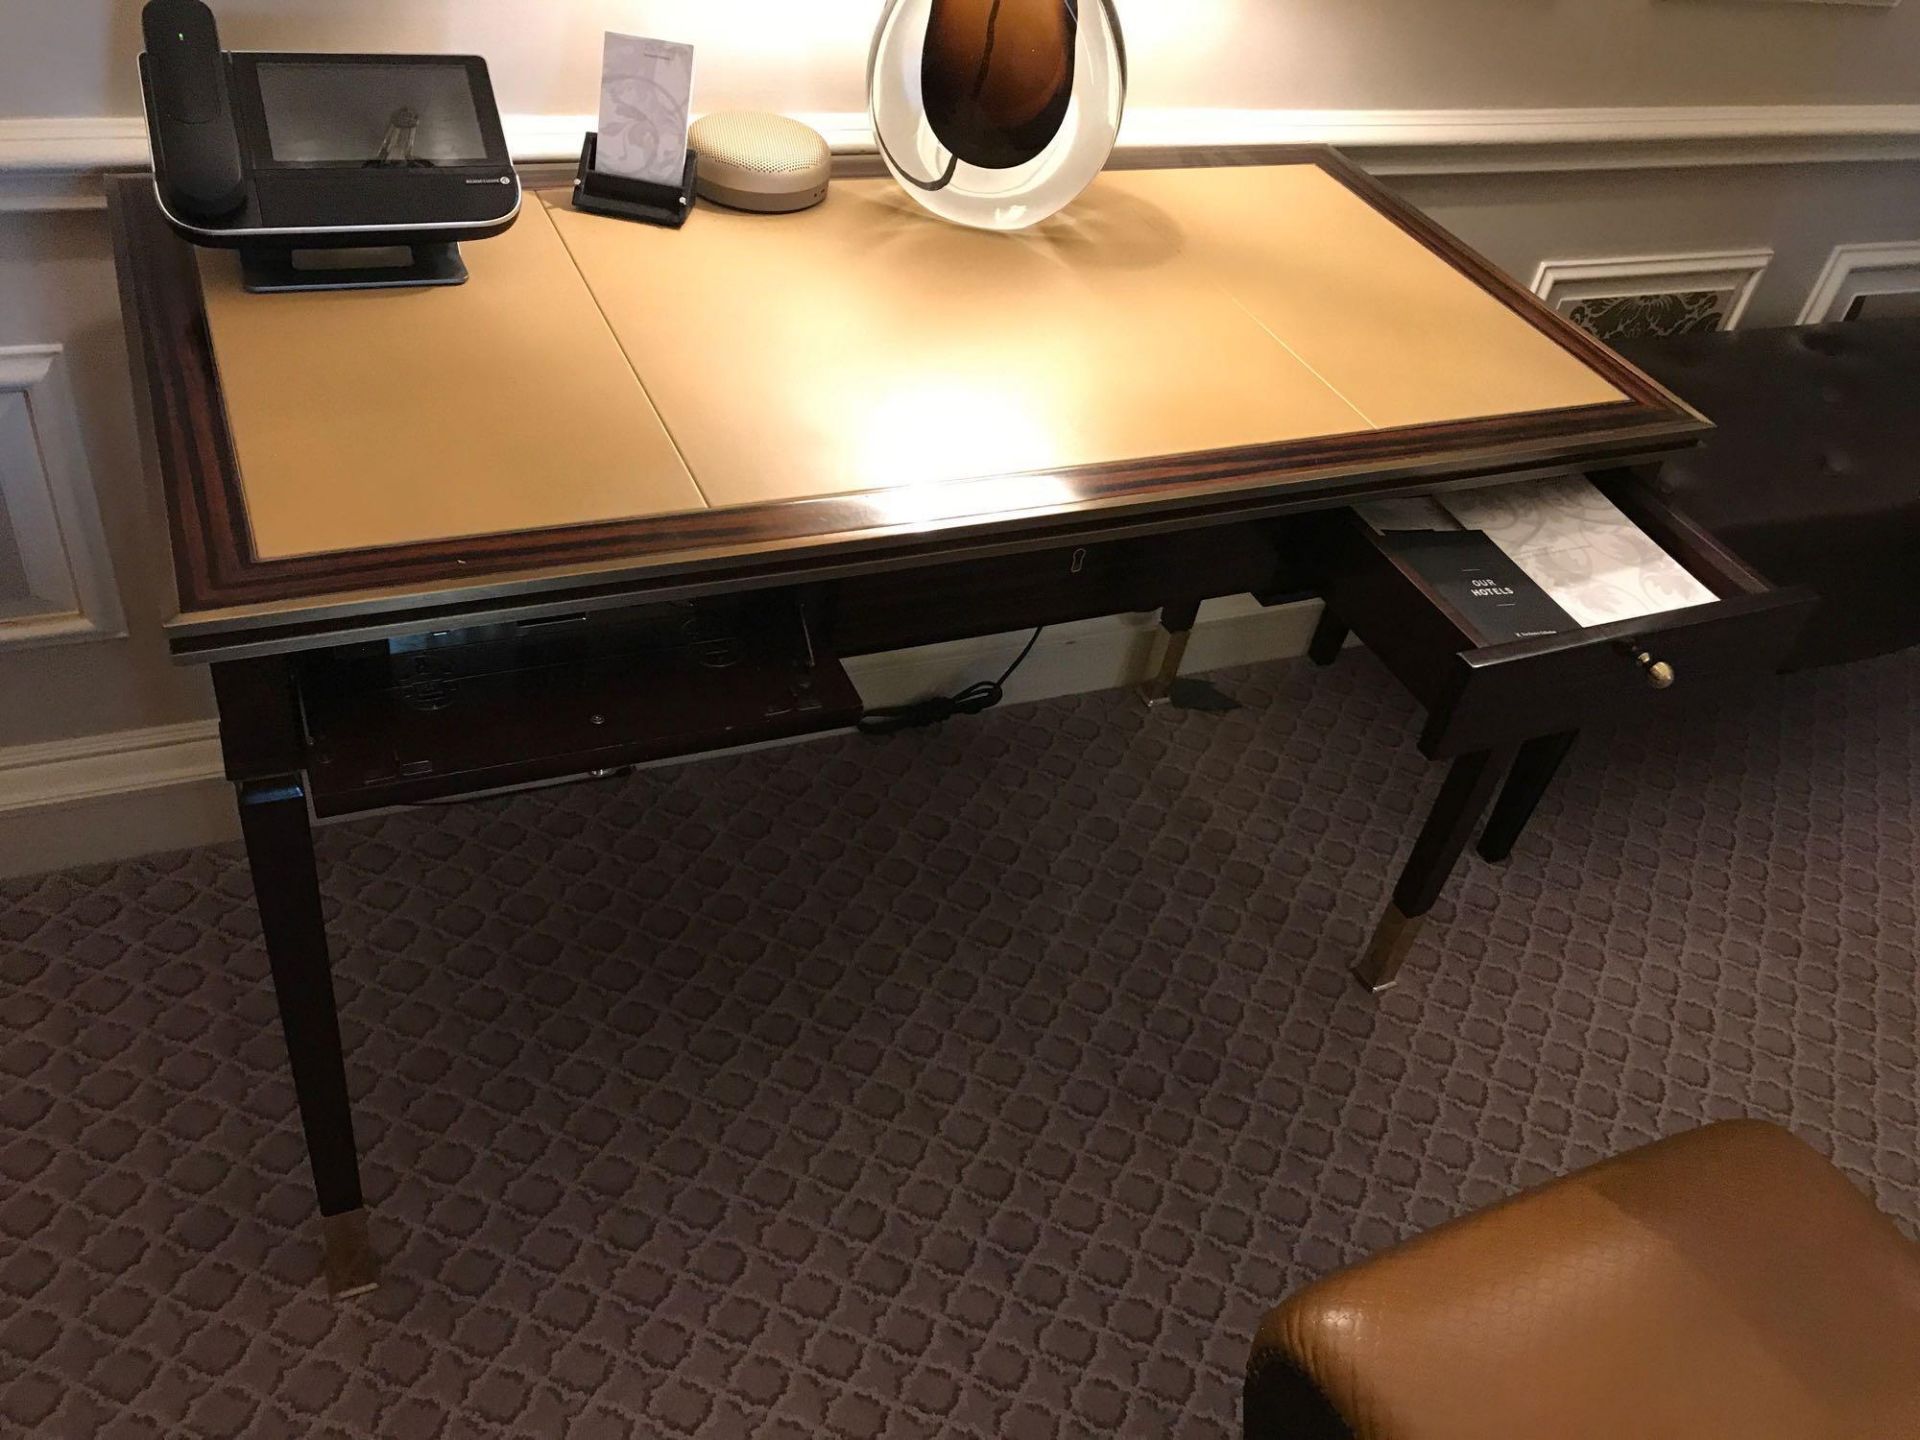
point(1393, 941)
point(347, 1259)
point(1173, 653)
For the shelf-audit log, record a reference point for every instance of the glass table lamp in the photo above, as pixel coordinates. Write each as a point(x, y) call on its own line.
point(996, 113)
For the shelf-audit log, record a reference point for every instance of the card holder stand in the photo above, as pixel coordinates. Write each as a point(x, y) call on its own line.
point(626, 199)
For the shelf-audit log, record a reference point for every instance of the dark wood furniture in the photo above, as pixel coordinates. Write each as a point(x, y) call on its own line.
point(357, 679)
point(1513, 709)
point(1810, 479)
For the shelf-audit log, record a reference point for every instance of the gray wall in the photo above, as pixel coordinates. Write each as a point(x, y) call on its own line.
point(75, 57)
point(1801, 212)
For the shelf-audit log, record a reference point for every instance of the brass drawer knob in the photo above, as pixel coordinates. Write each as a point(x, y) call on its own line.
point(1660, 675)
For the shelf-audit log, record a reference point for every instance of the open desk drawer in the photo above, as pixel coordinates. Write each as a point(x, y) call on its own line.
point(1482, 696)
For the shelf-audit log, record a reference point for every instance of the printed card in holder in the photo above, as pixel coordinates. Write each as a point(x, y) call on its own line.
point(646, 94)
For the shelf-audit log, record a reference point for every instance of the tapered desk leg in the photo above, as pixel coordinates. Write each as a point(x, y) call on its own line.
point(1328, 636)
point(273, 817)
point(1177, 621)
point(1533, 771)
point(1463, 799)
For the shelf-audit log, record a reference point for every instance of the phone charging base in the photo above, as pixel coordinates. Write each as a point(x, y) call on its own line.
point(396, 267)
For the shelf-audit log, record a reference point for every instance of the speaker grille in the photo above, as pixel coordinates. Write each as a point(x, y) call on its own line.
point(757, 143)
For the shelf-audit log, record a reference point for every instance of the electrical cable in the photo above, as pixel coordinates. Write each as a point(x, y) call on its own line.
point(982, 695)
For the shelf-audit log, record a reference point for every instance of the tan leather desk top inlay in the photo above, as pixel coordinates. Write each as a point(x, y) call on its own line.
point(858, 346)
point(378, 417)
point(1400, 333)
point(862, 345)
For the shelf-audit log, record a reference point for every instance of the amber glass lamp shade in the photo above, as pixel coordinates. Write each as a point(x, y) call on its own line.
point(996, 113)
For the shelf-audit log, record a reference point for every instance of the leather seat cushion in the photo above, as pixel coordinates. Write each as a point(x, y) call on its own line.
point(1727, 1282)
point(1814, 474)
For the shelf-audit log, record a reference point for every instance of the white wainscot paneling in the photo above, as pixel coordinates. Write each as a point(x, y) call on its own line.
point(1854, 272)
point(63, 588)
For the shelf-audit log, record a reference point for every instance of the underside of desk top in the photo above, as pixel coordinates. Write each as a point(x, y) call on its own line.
point(605, 395)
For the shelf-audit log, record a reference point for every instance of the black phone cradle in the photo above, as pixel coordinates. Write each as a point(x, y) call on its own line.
point(276, 271)
point(615, 195)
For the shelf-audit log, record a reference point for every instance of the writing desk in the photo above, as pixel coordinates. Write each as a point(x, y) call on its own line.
point(633, 492)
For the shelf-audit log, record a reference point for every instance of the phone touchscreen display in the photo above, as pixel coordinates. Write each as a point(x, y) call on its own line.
point(413, 114)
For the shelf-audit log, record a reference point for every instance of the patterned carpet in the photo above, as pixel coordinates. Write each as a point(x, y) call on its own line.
point(983, 1083)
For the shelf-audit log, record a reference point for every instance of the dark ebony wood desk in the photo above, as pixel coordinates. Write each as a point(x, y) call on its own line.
point(392, 665)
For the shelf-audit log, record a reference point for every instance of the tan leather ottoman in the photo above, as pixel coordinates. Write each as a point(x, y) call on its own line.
point(1724, 1283)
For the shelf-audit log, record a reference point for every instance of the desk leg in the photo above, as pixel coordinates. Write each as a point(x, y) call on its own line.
point(273, 817)
point(1328, 636)
point(1533, 771)
point(1177, 621)
point(1463, 799)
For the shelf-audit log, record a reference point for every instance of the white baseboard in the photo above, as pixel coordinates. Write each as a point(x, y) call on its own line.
point(125, 762)
point(112, 797)
point(1087, 655)
point(139, 792)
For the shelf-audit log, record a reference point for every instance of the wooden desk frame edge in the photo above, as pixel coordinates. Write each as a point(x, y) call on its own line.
point(231, 601)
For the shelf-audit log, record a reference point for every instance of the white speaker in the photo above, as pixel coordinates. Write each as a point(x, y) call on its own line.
point(754, 161)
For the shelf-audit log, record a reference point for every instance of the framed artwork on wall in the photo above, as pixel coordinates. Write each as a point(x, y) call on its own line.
point(1630, 296)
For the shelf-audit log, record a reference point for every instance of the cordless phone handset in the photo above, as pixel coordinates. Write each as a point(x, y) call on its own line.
point(196, 150)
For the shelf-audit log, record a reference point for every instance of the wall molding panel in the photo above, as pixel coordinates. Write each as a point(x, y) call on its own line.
point(49, 163)
point(1856, 270)
point(56, 163)
point(46, 488)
